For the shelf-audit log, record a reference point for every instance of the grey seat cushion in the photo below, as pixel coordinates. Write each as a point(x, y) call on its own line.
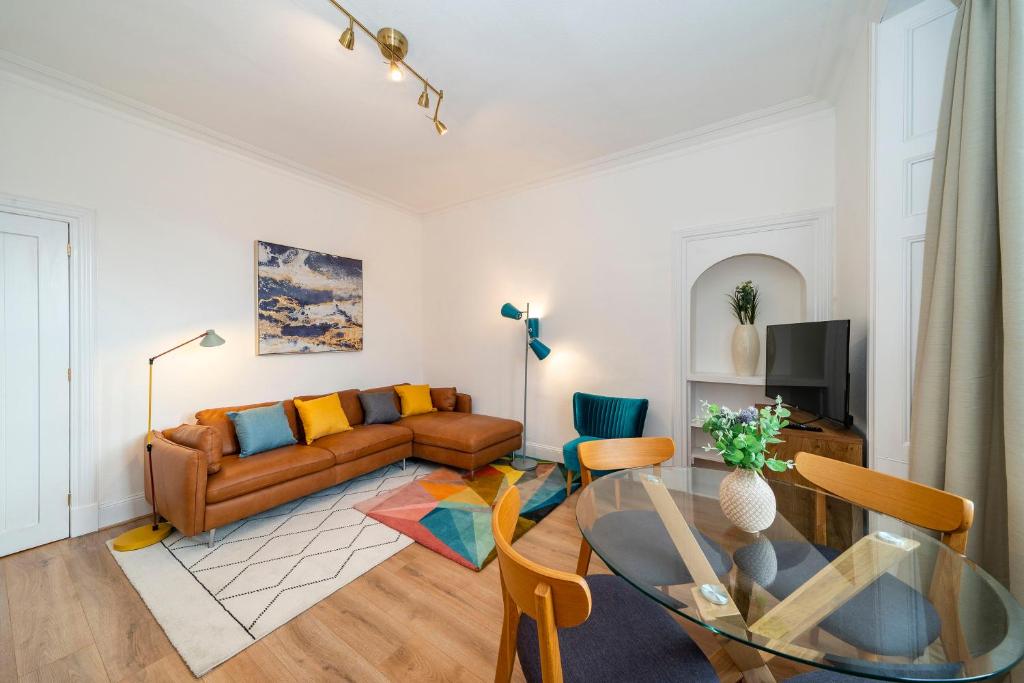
point(887, 618)
point(644, 550)
point(628, 637)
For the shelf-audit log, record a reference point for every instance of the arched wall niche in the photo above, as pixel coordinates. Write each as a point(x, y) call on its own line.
point(782, 299)
point(790, 257)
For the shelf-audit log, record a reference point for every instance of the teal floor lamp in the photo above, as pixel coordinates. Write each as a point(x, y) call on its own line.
point(532, 325)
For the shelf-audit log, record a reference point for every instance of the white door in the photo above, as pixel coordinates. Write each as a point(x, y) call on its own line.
point(910, 66)
point(34, 384)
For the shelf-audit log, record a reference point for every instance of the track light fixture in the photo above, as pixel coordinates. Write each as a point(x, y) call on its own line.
point(394, 46)
point(438, 126)
point(348, 37)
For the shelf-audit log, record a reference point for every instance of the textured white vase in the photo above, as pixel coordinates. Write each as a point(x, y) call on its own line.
point(747, 500)
point(746, 349)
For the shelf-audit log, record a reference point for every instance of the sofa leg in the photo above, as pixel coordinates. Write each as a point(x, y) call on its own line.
point(403, 464)
point(211, 540)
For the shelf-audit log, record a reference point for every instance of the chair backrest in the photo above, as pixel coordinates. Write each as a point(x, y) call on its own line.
point(554, 599)
point(909, 501)
point(620, 454)
point(608, 417)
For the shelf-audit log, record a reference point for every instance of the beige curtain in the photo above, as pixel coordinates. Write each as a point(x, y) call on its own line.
point(967, 433)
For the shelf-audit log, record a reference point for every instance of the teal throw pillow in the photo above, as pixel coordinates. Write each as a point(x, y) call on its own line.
point(261, 429)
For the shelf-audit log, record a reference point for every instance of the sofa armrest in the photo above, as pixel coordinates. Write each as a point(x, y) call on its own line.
point(202, 438)
point(179, 475)
point(463, 403)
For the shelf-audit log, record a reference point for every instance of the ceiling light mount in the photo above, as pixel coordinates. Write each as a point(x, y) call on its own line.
point(394, 46)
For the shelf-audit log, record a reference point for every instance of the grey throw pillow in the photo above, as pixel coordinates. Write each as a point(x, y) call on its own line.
point(378, 407)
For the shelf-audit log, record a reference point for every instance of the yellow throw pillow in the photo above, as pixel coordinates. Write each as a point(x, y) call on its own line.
point(415, 399)
point(322, 416)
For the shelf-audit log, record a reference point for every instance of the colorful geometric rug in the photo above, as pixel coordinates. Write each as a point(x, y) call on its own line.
point(450, 513)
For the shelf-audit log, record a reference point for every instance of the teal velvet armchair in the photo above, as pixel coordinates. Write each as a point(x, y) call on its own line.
point(601, 417)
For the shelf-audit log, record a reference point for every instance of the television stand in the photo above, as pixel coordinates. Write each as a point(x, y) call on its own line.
point(801, 506)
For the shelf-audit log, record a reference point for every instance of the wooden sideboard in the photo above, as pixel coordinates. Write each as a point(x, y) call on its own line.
point(837, 527)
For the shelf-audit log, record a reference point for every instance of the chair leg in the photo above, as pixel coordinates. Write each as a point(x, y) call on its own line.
point(568, 484)
point(583, 564)
point(507, 644)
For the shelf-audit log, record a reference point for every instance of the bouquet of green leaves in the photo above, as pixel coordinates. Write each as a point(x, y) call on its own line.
point(743, 301)
point(742, 438)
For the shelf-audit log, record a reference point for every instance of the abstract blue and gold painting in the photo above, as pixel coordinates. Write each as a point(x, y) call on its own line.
point(307, 301)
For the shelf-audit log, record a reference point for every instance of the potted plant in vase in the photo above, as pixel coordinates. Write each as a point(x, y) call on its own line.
point(746, 347)
point(742, 439)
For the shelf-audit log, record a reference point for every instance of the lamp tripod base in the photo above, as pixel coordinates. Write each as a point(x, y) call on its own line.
point(142, 537)
point(523, 464)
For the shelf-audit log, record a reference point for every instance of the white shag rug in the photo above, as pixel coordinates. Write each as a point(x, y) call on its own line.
point(264, 570)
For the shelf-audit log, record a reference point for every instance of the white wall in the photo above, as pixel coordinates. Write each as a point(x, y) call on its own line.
point(176, 221)
point(593, 254)
point(853, 212)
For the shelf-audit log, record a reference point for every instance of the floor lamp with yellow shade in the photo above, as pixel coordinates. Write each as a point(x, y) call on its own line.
point(148, 534)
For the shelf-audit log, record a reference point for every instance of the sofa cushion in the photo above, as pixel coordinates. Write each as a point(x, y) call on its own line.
point(443, 398)
point(239, 476)
point(465, 432)
point(378, 408)
point(363, 440)
point(321, 416)
point(390, 390)
point(200, 438)
point(261, 429)
point(349, 399)
point(219, 420)
point(415, 399)
point(351, 405)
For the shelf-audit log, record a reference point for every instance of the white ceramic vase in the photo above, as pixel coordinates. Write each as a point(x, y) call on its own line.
point(746, 349)
point(747, 500)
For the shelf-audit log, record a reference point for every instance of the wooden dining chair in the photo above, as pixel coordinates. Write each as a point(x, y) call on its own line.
point(617, 454)
point(610, 630)
point(917, 504)
point(904, 621)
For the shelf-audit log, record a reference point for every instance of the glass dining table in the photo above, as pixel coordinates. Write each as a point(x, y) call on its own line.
point(879, 600)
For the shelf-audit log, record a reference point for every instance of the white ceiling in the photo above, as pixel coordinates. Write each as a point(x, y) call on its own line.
point(532, 87)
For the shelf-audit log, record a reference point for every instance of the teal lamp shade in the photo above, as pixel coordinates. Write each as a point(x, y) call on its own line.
point(510, 311)
point(539, 349)
point(533, 327)
point(211, 338)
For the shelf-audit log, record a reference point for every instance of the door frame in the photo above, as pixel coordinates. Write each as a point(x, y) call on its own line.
point(84, 508)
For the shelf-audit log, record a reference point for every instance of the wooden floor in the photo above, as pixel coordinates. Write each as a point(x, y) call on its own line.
point(67, 612)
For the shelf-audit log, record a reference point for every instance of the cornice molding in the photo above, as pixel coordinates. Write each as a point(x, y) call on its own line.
point(681, 144)
point(51, 80)
point(22, 70)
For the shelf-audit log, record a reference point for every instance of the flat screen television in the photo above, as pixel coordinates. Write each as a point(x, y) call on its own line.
point(808, 365)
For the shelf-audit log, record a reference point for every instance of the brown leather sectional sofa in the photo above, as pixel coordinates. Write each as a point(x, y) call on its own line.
point(202, 483)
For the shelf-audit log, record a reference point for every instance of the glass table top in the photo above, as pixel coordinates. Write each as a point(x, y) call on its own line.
point(857, 592)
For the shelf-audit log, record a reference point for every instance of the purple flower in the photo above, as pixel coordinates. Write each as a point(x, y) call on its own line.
point(747, 416)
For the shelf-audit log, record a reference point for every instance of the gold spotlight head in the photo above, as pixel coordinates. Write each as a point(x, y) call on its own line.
point(348, 37)
point(424, 99)
point(394, 73)
point(441, 128)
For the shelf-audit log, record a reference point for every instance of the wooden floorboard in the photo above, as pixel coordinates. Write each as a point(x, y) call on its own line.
point(67, 612)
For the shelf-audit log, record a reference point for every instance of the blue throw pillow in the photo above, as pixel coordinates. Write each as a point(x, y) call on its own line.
point(261, 429)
